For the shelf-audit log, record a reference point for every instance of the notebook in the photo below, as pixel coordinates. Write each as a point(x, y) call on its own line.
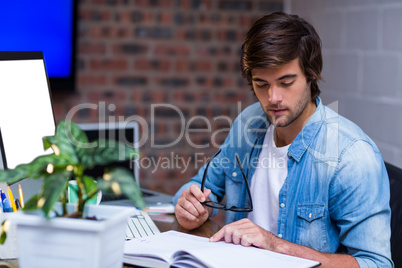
point(176, 249)
point(128, 133)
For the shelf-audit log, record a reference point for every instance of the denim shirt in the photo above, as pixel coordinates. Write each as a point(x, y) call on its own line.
point(335, 196)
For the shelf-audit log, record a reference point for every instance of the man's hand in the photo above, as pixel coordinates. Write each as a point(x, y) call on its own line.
point(247, 233)
point(190, 213)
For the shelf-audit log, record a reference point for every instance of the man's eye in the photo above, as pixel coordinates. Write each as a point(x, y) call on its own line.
point(287, 84)
point(261, 85)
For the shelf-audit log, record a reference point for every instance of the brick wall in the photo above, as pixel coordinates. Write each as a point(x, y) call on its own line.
point(173, 63)
point(362, 49)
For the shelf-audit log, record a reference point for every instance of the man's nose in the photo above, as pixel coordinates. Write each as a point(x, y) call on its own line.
point(274, 94)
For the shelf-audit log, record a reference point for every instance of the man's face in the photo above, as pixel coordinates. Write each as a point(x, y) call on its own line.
point(283, 93)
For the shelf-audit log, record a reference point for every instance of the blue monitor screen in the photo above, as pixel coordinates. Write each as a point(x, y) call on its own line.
point(40, 25)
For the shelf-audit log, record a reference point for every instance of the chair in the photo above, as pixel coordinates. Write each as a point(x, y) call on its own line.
point(395, 181)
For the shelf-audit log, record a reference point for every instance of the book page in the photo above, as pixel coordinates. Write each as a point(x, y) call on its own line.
point(159, 248)
point(148, 253)
point(203, 253)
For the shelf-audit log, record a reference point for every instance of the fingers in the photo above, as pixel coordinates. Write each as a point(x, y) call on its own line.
point(218, 235)
point(207, 192)
point(226, 232)
point(243, 232)
point(235, 236)
point(245, 241)
point(190, 204)
point(196, 192)
point(189, 211)
point(232, 234)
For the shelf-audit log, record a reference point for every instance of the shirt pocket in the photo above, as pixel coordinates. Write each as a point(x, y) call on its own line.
point(234, 174)
point(311, 228)
point(235, 185)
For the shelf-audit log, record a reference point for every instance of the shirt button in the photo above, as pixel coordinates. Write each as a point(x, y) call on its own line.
point(309, 216)
point(282, 205)
point(234, 174)
point(279, 235)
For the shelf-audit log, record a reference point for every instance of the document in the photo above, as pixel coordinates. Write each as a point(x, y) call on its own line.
point(177, 249)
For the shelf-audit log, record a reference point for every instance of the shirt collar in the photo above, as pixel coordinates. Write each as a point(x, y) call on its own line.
point(306, 136)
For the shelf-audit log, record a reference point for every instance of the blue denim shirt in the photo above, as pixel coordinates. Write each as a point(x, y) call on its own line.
point(336, 193)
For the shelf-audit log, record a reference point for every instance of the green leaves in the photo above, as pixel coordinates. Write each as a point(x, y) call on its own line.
point(68, 138)
point(121, 181)
point(72, 154)
point(89, 185)
point(52, 188)
point(32, 204)
point(3, 233)
point(72, 142)
point(34, 170)
point(105, 152)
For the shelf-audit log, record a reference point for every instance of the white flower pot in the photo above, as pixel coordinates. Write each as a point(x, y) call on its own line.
point(9, 250)
point(66, 242)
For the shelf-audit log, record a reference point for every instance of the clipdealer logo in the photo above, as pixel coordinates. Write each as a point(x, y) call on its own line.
point(186, 130)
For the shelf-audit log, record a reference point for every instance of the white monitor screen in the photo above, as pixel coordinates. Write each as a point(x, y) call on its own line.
point(26, 113)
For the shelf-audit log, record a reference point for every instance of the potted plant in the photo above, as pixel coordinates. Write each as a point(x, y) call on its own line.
point(72, 155)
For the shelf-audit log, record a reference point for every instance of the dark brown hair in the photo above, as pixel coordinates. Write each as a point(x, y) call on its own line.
point(279, 38)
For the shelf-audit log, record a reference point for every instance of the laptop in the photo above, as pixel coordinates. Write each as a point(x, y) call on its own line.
point(128, 133)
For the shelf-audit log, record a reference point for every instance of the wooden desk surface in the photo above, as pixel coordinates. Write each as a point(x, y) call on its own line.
point(169, 222)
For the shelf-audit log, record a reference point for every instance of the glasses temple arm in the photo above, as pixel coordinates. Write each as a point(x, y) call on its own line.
point(246, 182)
point(204, 176)
point(206, 168)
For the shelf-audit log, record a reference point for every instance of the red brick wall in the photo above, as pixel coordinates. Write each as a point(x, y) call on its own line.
point(133, 54)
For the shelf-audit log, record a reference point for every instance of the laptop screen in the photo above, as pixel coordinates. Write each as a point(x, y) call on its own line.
point(125, 132)
point(26, 113)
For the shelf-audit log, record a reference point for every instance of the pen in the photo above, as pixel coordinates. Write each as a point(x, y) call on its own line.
point(21, 196)
point(1, 203)
point(12, 201)
point(17, 203)
point(5, 203)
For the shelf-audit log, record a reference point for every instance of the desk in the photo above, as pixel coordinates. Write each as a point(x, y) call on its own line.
point(169, 222)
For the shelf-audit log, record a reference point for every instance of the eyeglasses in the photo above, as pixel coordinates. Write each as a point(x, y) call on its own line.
point(223, 206)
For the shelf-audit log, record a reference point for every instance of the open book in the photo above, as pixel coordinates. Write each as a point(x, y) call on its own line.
point(177, 249)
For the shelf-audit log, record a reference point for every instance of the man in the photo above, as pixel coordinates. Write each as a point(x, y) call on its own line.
point(318, 184)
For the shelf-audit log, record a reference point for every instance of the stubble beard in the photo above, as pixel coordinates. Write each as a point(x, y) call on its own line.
point(295, 114)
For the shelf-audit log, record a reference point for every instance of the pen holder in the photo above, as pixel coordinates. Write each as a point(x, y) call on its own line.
point(9, 250)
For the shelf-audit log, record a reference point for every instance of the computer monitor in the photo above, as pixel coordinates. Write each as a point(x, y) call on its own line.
point(26, 111)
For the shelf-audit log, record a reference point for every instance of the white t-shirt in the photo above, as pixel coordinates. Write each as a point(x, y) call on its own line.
point(268, 178)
